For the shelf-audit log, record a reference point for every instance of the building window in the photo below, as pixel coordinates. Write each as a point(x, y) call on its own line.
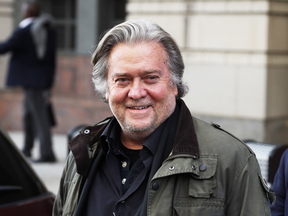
point(109, 13)
point(64, 14)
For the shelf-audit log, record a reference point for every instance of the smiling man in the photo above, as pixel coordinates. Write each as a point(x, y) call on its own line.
point(152, 157)
point(140, 93)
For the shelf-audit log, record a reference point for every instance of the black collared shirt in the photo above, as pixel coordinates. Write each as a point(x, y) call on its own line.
point(118, 188)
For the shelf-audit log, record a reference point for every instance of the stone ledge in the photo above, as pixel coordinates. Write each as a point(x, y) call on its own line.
point(234, 7)
point(234, 58)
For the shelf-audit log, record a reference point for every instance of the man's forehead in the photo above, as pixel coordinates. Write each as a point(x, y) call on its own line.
point(130, 51)
point(150, 44)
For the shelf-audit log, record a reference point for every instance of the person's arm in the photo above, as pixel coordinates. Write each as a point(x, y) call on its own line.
point(279, 187)
point(13, 43)
point(250, 195)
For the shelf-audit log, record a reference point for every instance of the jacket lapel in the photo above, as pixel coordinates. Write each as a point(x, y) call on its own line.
point(185, 139)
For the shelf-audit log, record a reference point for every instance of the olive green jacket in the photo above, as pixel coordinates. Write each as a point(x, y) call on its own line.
point(209, 172)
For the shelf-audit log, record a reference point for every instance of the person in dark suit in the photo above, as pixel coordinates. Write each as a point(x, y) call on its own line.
point(32, 66)
point(280, 188)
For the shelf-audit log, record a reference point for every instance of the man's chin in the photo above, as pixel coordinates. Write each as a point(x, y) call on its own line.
point(137, 128)
point(138, 131)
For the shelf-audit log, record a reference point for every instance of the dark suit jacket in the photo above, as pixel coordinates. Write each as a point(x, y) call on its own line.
point(25, 68)
point(280, 187)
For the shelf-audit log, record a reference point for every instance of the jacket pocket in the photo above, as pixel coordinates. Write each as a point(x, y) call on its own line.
point(202, 182)
point(199, 199)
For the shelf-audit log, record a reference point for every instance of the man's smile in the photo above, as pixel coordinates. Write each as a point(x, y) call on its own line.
point(139, 107)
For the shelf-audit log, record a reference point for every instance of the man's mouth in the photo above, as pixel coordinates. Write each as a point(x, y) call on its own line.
point(139, 108)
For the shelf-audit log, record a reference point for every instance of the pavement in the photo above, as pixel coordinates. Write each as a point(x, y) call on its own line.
point(49, 173)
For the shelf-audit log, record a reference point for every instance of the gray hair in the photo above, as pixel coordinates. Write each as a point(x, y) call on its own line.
point(137, 31)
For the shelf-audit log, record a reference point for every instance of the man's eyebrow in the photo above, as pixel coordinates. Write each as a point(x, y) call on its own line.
point(120, 74)
point(152, 71)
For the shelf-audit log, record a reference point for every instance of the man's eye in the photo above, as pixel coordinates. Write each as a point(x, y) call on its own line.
point(121, 80)
point(152, 79)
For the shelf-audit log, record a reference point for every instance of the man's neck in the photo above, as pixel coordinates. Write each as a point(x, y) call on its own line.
point(130, 142)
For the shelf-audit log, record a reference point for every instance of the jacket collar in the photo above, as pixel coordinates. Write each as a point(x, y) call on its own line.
point(185, 139)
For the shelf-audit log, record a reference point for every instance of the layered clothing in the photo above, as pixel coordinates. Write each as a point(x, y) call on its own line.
point(208, 172)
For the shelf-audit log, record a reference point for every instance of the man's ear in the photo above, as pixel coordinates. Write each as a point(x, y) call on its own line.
point(175, 90)
point(107, 95)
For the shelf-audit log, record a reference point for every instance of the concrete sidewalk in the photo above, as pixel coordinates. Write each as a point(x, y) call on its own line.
point(50, 173)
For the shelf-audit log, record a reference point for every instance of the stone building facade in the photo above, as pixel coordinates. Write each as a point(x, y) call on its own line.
point(235, 52)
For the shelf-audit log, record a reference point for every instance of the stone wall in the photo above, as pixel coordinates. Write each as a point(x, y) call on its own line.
point(236, 57)
point(6, 23)
point(73, 96)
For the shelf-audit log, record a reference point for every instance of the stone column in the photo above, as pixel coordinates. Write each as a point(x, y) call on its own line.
point(6, 23)
point(87, 26)
point(236, 57)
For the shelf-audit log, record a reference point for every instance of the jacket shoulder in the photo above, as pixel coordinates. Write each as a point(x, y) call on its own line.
point(213, 136)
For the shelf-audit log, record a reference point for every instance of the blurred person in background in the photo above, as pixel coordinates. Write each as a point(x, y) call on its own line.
point(32, 67)
point(152, 157)
point(280, 188)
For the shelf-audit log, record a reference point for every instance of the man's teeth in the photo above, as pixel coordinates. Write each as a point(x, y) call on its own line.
point(139, 108)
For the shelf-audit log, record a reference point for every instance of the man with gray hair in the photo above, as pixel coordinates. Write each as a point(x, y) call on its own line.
point(152, 157)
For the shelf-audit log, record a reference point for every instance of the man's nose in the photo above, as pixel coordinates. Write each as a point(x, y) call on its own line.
point(137, 90)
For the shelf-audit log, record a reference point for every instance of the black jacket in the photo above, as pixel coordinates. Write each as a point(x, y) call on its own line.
point(25, 69)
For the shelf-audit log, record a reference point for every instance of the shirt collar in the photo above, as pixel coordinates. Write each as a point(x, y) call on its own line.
point(26, 22)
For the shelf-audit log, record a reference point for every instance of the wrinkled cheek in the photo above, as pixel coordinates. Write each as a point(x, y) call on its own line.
point(117, 96)
point(169, 107)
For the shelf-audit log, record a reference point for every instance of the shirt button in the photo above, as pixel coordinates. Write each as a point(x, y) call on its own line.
point(124, 164)
point(123, 201)
point(123, 181)
point(155, 186)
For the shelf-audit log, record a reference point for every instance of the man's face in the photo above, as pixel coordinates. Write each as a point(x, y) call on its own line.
point(140, 93)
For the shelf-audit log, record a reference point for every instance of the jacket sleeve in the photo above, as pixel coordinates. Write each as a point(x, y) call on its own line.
point(67, 197)
point(58, 203)
point(280, 187)
point(13, 43)
point(251, 193)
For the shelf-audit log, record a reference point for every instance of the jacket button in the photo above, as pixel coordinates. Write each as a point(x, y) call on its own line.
point(202, 167)
point(87, 131)
point(155, 186)
point(171, 168)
